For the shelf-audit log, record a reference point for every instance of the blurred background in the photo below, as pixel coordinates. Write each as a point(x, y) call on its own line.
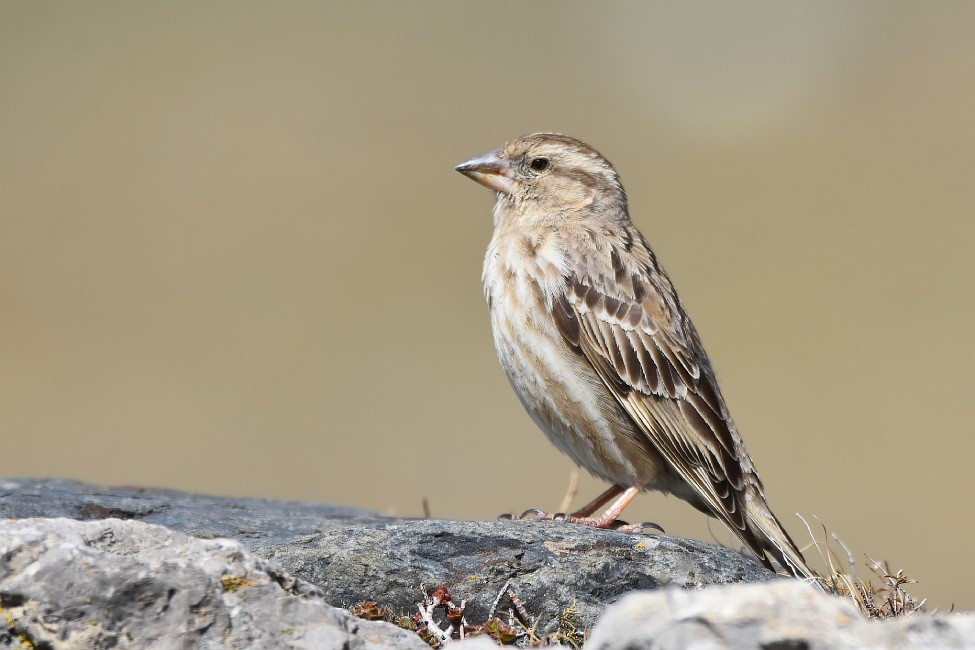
point(235, 257)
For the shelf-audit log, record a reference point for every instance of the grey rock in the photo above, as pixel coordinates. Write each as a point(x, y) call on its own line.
point(548, 565)
point(122, 581)
point(125, 584)
point(353, 555)
point(203, 516)
point(783, 615)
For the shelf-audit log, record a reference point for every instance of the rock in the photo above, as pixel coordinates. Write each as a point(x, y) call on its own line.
point(548, 565)
point(112, 583)
point(131, 578)
point(353, 555)
point(206, 517)
point(783, 615)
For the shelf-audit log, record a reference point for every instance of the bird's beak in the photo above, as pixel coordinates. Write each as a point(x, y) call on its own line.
point(491, 171)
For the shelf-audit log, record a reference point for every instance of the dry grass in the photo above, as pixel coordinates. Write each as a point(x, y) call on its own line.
point(883, 596)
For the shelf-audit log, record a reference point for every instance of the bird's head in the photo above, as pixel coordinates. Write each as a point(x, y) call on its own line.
point(549, 177)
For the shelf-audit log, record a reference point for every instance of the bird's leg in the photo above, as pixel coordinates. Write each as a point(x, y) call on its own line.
point(609, 517)
point(582, 513)
point(599, 501)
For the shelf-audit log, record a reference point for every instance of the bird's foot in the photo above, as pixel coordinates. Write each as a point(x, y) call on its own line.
point(611, 523)
point(605, 521)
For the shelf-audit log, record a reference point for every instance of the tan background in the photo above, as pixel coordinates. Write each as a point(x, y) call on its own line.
point(234, 257)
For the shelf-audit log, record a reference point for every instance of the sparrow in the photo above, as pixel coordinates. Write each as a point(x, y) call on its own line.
point(599, 349)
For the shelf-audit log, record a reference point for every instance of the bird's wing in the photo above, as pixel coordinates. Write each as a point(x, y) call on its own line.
point(632, 329)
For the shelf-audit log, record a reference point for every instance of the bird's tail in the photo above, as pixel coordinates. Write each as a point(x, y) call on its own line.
point(779, 545)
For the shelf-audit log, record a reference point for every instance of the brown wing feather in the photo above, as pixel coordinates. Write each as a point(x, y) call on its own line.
point(621, 312)
point(656, 369)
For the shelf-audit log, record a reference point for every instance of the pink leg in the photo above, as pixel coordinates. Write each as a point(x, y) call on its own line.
point(599, 501)
point(608, 518)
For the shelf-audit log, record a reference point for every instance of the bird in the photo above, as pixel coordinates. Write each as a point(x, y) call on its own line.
point(600, 351)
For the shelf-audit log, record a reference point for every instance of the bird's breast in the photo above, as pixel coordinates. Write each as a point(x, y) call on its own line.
point(556, 384)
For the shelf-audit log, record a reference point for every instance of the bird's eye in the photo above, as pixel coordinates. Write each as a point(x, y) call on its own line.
point(539, 164)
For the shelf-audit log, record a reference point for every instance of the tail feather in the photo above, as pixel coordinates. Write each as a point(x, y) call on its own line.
point(777, 543)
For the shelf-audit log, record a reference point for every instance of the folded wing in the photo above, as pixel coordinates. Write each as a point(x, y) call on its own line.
point(642, 345)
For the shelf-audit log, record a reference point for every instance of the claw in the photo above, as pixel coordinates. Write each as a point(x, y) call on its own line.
point(507, 516)
point(532, 513)
point(650, 525)
point(641, 527)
